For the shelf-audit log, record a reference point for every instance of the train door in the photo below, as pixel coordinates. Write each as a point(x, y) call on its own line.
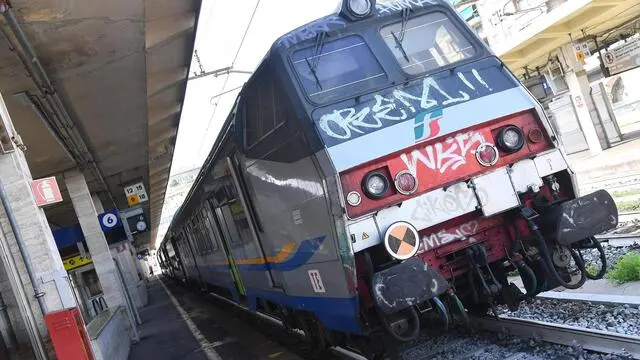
point(216, 226)
point(238, 227)
point(240, 188)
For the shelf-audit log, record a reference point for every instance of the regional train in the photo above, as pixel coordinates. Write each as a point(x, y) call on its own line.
point(382, 166)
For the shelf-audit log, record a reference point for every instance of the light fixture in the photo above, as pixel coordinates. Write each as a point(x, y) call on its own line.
point(486, 154)
point(375, 185)
point(510, 138)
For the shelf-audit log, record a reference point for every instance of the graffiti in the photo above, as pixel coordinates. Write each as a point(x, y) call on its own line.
point(457, 200)
point(415, 101)
point(388, 7)
point(311, 30)
point(442, 237)
point(449, 153)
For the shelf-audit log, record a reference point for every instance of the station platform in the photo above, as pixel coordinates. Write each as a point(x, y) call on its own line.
point(617, 166)
point(180, 324)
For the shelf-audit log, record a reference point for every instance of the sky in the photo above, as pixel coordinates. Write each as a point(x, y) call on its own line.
point(221, 27)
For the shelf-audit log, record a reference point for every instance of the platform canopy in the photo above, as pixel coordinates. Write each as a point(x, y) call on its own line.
point(532, 46)
point(108, 98)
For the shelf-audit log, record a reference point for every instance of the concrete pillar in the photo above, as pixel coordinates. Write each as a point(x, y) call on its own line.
point(98, 248)
point(97, 203)
point(38, 240)
point(580, 90)
point(129, 272)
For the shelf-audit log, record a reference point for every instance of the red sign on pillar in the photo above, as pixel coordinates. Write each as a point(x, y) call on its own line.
point(46, 191)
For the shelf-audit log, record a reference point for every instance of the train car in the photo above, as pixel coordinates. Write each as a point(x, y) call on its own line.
point(379, 165)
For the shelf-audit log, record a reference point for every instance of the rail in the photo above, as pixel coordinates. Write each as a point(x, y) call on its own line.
point(588, 339)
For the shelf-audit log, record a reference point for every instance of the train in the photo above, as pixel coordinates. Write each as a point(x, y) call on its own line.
point(382, 167)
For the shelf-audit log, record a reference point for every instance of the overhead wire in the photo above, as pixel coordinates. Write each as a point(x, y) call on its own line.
point(226, 80)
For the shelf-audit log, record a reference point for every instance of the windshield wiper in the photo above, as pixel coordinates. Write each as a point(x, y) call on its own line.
point(400, 38)
point(400, 47)
point(313, 72)
point(313, 64)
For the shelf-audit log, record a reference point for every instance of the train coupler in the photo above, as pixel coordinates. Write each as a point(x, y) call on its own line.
point(405, 285)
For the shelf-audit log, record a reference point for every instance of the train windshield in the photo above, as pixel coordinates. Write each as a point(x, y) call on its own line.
point(426, 42)
point(335, 68)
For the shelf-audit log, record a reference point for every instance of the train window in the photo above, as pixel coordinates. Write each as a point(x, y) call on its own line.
point(265, 109)
point(209, 224)
point(332, 69)
point(426, 42)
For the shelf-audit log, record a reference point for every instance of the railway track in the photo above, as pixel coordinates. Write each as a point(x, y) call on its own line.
point(588, 339)
point(503, 338)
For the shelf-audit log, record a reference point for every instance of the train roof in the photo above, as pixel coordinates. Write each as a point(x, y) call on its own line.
point(339, 19)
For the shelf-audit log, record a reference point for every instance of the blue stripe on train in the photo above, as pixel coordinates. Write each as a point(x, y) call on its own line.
point(340, 314)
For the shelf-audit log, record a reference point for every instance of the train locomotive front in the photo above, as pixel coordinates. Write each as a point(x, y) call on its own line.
point(380, 167)
point(450, 175)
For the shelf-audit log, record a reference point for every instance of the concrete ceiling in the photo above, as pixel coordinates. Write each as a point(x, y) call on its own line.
point(120, 69)
point(532, 46)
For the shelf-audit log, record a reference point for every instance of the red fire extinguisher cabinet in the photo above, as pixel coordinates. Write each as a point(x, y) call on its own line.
point(68, 334)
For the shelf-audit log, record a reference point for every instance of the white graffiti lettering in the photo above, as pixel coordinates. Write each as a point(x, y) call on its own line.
point(381, 111)
point(342, 124)
point(311, 30)
point(388, 7)
point(450, 153)
point(444, 205)
point(442, 237)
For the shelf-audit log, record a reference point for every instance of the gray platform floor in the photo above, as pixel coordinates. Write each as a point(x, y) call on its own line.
point(165, 333)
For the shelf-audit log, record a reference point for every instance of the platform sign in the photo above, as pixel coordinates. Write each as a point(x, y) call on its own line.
point(582, 51)
point(109, 220)
point(76, 262)
point(624, 57)
point(46, 191)
point(136, 194)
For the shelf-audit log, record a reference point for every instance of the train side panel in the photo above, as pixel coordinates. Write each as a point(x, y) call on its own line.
point(288, 194)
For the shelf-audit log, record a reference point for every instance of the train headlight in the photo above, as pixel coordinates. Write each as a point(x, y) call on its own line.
point(375, 185)
point(360, 8)
point(486, 154)
point(510, 138)
point(406, 183)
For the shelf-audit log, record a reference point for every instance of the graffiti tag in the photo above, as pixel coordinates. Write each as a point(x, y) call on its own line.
point(449, 153)
point(444, 205)
point(388, 7)
point(442, 237)
point(311, 30)
point(402, 104)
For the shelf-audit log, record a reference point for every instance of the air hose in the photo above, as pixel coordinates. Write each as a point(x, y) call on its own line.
point(548, 262)
point(603, 258)
point(442, 310)
point(525, 271)
point(460, 307)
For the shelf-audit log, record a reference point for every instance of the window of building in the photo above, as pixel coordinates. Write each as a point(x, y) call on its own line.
point(426, 42)
point(332, 69)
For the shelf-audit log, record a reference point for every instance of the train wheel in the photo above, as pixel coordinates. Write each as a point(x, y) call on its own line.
point(403, 326)
point(314, 332)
